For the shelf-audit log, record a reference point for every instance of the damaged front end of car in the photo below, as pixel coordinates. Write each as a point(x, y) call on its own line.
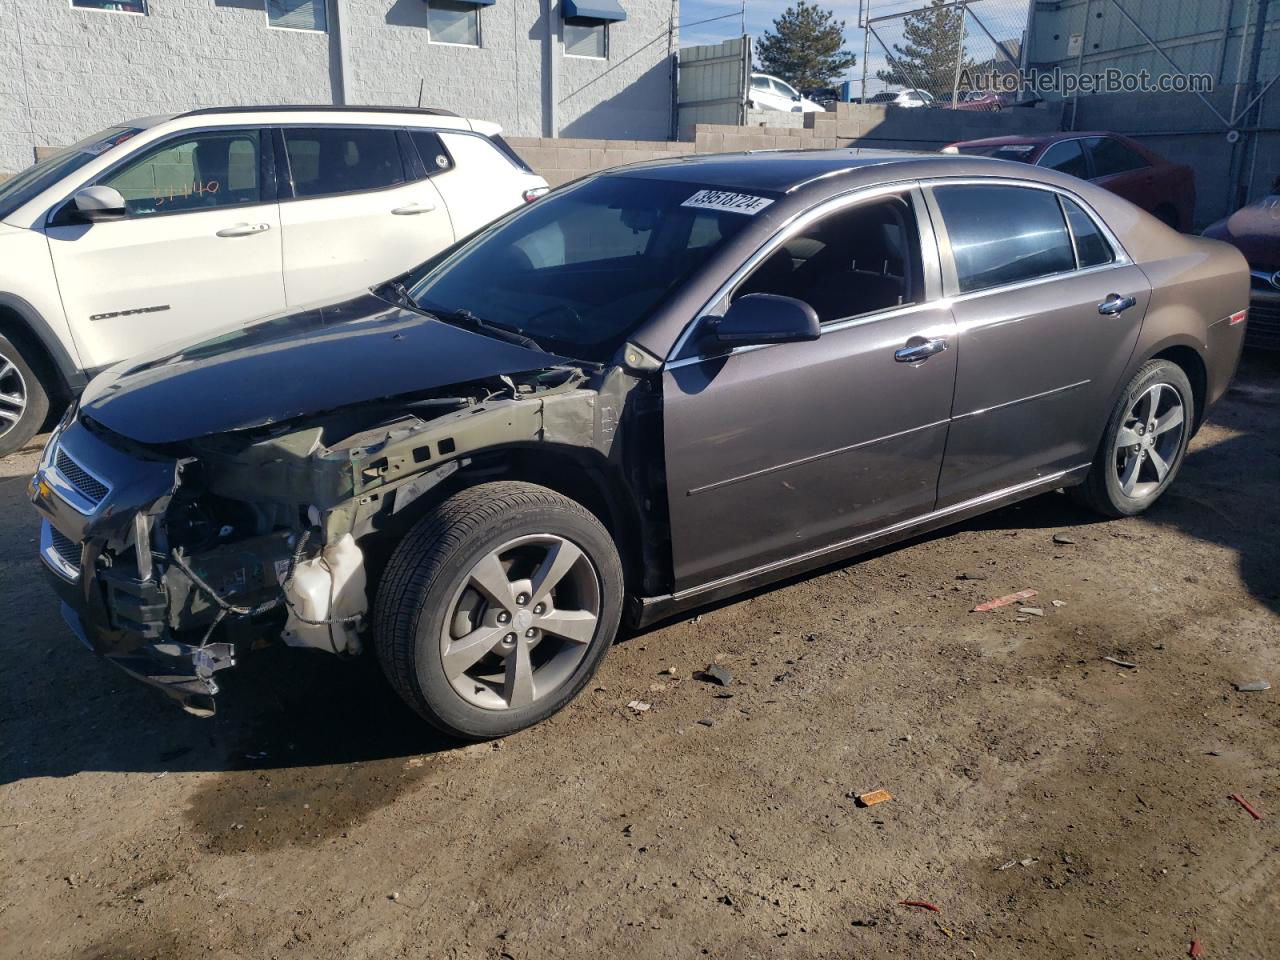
point(173, 560)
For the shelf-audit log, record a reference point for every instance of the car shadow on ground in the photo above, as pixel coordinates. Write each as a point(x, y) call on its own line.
point(278, 709)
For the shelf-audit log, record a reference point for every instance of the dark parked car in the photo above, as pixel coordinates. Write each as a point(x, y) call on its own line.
point(660, 386)
point(1255, 230)
point(1125, 167)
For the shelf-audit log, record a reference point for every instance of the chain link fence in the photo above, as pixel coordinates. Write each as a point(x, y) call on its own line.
point(948, 54)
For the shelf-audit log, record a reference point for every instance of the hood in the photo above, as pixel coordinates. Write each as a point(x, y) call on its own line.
point(1255, 230)
point(292, 365)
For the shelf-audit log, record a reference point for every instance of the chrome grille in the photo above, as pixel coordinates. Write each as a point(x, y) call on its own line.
point(1264, 324)
point(65, 547)
point(89, 486)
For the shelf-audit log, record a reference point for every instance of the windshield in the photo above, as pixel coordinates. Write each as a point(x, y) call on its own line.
point(40, 176)
point(1005, 151)
point(579, 270)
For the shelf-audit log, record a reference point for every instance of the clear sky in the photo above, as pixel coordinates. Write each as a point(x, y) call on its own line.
point(1005, 18)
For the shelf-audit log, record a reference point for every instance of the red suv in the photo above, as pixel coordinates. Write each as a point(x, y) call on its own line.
point(1123, 166)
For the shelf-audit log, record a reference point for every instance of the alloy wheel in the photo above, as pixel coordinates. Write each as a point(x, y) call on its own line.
point(1149, 441)
point(521, 622)
point(13, 395)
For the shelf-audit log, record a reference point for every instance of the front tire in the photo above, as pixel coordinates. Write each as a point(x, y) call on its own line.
point(24, 403)
point(1144, 443)
point(497, 607)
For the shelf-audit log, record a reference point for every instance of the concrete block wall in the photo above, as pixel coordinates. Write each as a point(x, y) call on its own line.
point(562, 159)
point(850, 125)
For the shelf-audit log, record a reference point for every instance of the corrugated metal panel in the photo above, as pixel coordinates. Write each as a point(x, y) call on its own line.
point(1200, 37)
point(713, 80)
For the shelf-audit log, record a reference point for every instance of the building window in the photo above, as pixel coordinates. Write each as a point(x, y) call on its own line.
point(452, 21)
point(298, 14)
point(586, 40)
point(112, 6)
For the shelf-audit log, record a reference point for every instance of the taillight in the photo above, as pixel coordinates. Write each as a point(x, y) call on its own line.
point(1236, 318)
point(533, 193)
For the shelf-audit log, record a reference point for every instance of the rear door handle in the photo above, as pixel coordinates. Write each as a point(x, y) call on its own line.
point(1115, 305)
point(919, 349)
point(409, 209)
point(243, 229)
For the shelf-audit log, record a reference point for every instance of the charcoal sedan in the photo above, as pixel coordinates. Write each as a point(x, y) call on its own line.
point(657, 387)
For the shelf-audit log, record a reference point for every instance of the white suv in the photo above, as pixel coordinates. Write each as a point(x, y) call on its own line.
point(167, 227)
point(770, 93)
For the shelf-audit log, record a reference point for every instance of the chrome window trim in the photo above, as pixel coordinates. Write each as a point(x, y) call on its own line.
point(785, 232)
point(1037, 281)
point(834, 326)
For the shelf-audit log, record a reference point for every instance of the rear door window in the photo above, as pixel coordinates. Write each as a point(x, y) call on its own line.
point(327, 161)
point(1112, 157)
point(1002, 235)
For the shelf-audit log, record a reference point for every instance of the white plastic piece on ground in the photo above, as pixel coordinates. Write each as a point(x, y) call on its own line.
point(328, 587)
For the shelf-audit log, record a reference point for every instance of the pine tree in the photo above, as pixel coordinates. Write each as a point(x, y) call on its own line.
point(926, 59)
point(805, 48)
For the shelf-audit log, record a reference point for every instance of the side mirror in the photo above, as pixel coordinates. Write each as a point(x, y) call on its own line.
point(94, 204)
point(760, 318)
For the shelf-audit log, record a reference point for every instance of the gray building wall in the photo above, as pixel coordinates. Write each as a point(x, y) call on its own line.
point(66, 72)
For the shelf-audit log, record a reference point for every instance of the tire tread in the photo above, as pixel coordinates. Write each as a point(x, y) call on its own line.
point(420, 557)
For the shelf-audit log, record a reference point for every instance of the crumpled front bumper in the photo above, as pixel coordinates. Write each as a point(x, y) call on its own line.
point(89, 495)
point(180, 670)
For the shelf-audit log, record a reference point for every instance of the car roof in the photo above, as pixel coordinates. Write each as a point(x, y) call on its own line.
point(327, 113)
point(1040, 139)
point(786, 171)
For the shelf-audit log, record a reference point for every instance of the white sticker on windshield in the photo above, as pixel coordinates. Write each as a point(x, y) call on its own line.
point(723, 200)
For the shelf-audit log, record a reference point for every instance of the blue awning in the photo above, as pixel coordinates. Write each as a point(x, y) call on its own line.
point(481, 3)
point(596, 11)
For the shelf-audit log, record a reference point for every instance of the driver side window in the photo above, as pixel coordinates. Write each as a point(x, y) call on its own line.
point(215, 169)
point(856, 261)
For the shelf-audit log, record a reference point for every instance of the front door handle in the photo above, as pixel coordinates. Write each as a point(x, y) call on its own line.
point(919, 349)
point(243, 229)
point(409, 209)
point(1115, 305)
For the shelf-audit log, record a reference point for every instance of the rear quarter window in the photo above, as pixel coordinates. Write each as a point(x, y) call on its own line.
point(435, 158)
point(476, 155)
point(1001, 235)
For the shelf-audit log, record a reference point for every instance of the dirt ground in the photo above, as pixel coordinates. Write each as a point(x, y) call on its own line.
point(314, 817)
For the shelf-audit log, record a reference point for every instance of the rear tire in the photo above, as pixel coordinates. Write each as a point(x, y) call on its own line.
point(497, 607)
point(1144, 443)
point(24, 402)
